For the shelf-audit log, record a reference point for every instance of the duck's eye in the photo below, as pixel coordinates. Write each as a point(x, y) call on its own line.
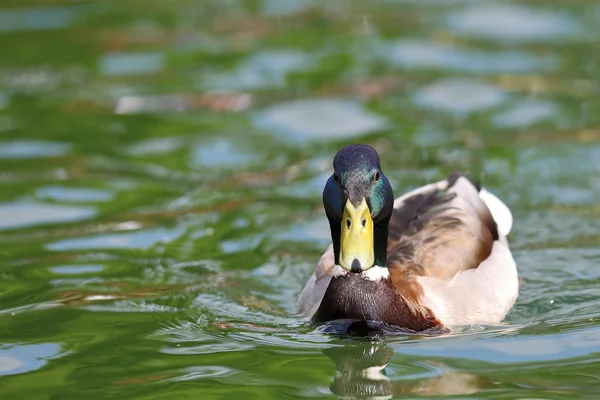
point(336, 178)
point(377, 176)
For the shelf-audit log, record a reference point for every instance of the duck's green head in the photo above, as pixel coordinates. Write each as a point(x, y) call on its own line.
point(358, 200)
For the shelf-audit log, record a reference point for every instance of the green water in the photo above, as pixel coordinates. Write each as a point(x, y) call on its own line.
point(161, 167)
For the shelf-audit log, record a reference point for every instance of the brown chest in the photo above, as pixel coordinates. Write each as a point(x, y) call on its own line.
point(353, 297)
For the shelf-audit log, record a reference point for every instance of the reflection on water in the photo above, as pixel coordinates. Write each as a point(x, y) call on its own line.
point(360, 370)
point(361, 374)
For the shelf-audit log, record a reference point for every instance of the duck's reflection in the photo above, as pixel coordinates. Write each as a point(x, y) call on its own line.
point(360, 370)
point(361, 375)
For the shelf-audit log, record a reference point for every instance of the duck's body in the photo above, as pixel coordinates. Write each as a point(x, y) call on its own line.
point(446, 261)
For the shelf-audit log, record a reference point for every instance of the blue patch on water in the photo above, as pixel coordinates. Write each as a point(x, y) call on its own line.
point(238, 245)
point(310, 188)
point(74, 194)
point(507, 349)
point(122, 184)
point(143, 239)
point(132, 63)
point(202, 372)
point(38, 19)
point(25, 358)
point(459, 95)
point(19, 215)
point(18, 149)
point(319, 119)
point(219, 153)
point(261, 70)
point(510, 22)
point(76, 269)
point(277, 8)
point(526, 113)
point(316, 230)
point(156, 146)
point(427, 54)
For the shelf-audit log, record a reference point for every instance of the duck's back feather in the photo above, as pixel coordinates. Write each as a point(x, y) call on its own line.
point(439, 233)
point(446, 252)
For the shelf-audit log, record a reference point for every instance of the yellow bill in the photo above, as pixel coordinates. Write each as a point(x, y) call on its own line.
point(356, 243)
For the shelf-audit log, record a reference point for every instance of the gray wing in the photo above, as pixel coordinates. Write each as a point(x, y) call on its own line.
point(314, 290)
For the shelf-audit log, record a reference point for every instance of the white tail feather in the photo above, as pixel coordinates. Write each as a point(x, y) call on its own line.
point(500, 211)
point(468, 192)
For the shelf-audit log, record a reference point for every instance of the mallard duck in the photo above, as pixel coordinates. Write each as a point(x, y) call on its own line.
point(435, 257)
